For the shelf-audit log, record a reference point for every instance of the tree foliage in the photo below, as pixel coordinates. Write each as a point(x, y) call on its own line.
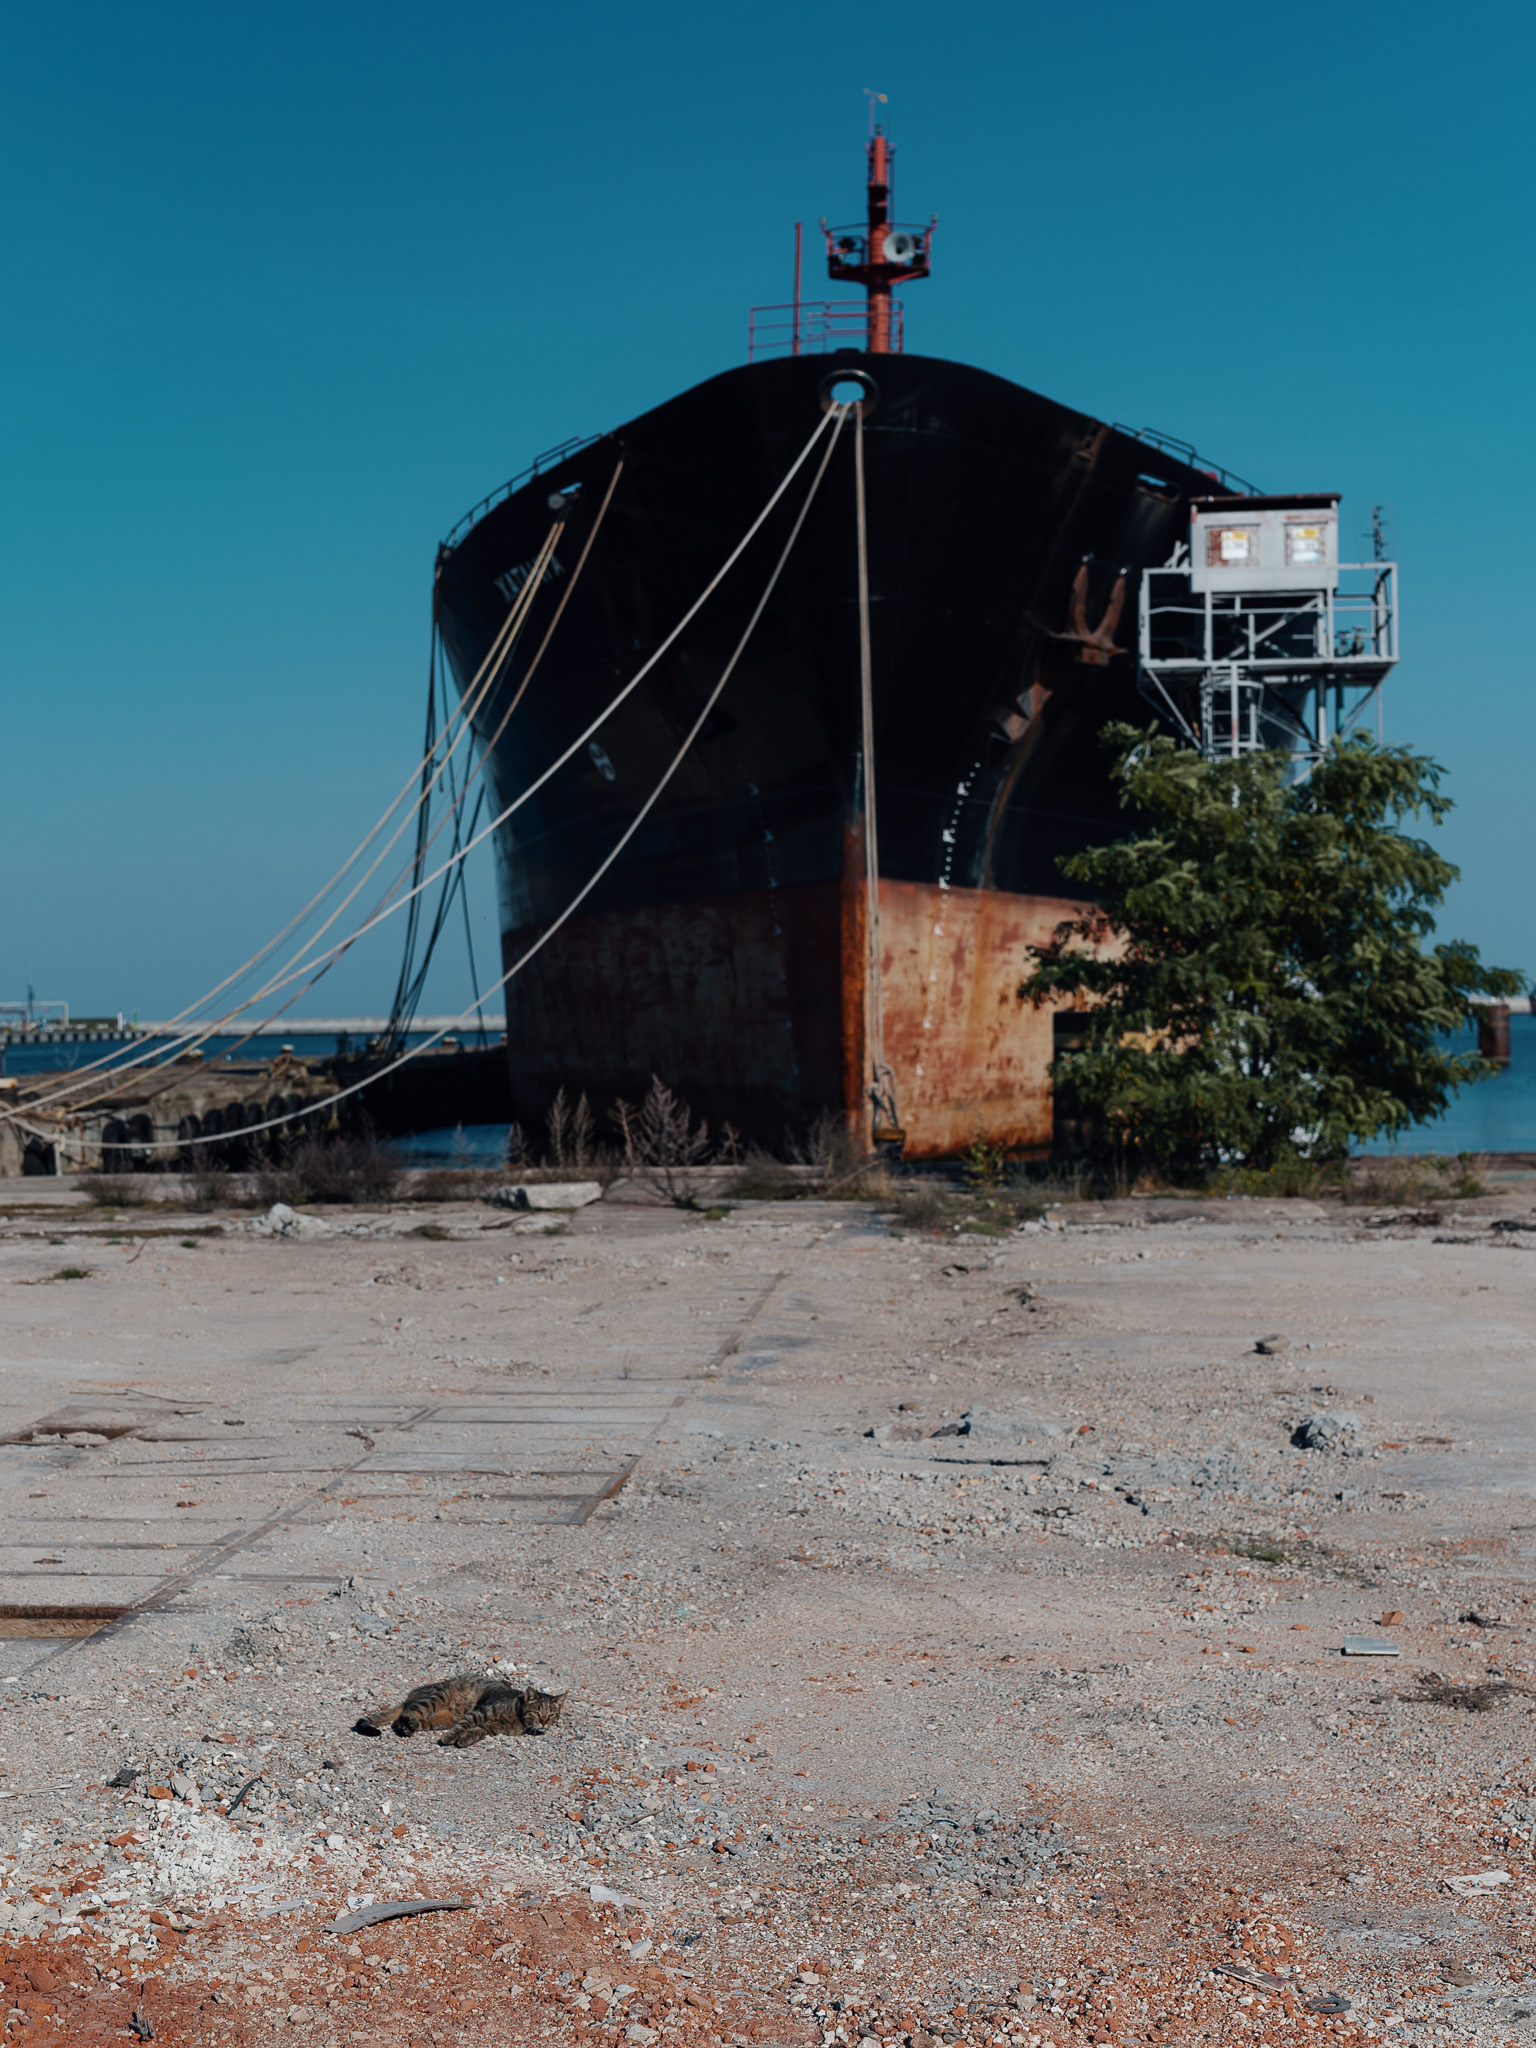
point(1258, 976)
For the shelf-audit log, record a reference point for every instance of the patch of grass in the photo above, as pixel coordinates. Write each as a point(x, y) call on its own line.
point(434, 1231)
point(329, 1169)
point(1302, 1553)
point(1416, 1181)
point(1287, 1179)
point(207, 1186)
point(451, 1184)
point(872, 1181)
point(716, 1214)
point(922, 1205)
point(64, 1273)
point(190, 1244)
point(983, 1165)
point(1016, 1205)
point(765, 1179)
point(114, 1190)
point(831, 1148)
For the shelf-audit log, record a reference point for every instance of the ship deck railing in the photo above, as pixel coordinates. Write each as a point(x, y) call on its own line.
point(1189, 455)
point(550, 459)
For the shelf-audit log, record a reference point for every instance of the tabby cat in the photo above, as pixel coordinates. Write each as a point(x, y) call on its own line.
point(470, 1706)
point(505, 1710)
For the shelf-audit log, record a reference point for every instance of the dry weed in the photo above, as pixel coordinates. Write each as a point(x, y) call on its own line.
point(763, 1178)
point(207, 1186)
point(114, 1190)
point(1415, 1180)
point(572, 1132)
point(663, 1149)
point(331, 1169)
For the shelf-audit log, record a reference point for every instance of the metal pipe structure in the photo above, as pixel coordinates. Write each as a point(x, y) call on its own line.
point(795, 340)
point(881, 255)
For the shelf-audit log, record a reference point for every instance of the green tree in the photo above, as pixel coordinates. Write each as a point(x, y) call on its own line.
point(1257, 974)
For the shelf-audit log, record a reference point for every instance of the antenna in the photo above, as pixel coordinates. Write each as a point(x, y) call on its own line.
point(877, 253)
point(794, 347)
point(1381, 519)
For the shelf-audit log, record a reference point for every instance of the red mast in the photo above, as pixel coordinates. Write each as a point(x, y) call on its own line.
point(884, 254)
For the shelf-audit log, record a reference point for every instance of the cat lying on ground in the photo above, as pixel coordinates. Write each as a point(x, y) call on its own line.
point(470, 1706)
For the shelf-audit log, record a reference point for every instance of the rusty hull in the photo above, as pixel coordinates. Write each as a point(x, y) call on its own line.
point(970, 1056)
point(755, 1009)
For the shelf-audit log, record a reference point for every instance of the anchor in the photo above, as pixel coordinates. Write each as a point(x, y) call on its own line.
point(1095, 644)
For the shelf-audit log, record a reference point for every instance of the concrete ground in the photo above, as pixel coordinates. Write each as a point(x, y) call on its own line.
point(953, 1627)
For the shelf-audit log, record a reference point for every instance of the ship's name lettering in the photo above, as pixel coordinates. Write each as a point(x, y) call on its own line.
point(511, 581)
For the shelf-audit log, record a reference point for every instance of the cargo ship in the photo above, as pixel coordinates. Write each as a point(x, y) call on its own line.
point(829, 908)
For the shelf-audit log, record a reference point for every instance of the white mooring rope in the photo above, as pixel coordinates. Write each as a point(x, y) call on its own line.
point(835, 416)
point(111, 1065)
point(882, 1082)
point(463, 852)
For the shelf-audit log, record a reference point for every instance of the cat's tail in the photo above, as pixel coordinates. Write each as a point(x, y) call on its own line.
point(378, 1719)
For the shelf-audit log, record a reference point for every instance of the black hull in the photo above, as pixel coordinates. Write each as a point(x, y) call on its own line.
point(983, 502)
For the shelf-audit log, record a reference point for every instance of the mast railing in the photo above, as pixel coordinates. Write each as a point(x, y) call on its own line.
point(814, 327)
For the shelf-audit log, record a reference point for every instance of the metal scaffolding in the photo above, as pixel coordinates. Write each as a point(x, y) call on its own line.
point(1255, 636)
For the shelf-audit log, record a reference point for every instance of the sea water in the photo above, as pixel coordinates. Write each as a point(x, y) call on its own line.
point(1497, 1115)
point(1489, 1116)
point(19, 1058)
point(478, 1146)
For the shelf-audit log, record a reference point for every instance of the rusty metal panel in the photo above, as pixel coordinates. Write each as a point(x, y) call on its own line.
point(42, 1624)
point(755, 1009)
point(969, 1055)
point(854, 976)
point(736, 1002)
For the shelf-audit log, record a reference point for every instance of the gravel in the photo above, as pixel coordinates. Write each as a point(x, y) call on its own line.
point(886, 1728)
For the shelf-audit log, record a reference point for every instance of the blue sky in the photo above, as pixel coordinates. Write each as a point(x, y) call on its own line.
point(288, 288)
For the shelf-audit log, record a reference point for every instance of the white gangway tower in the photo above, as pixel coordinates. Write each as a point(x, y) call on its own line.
point(1255, 634)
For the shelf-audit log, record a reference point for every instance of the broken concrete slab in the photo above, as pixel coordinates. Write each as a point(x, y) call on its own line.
point(549, 1194)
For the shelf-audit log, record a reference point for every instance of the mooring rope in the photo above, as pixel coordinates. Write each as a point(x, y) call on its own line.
point(325, 961)
point(110, 1066)
point(837, 415)
point(451, 817)
point(880, 1073)
point(632, 685)
point(463, 853)
point(538, 653)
